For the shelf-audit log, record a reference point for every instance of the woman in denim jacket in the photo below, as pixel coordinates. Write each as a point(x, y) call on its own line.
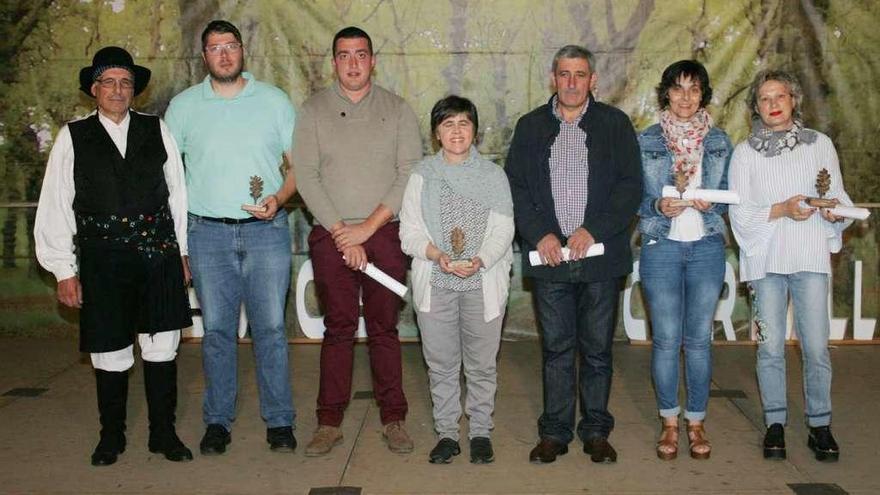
point(682, 257)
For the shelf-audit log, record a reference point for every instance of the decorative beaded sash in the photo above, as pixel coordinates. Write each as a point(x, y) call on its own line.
point(151, 234)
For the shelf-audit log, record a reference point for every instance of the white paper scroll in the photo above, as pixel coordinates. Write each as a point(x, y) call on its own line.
point(385, 279)
point(710, 195)
point(851, 212)
point(595, 250)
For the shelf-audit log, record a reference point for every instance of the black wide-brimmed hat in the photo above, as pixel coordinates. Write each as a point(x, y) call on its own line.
point(111, 57)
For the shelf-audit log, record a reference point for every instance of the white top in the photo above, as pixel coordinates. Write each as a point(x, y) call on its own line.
point(495, 252)
point(55, 224)
point(688, 226)
point(783, 245)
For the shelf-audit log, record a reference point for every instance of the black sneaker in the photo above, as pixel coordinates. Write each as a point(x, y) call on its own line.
point(481, 450)
point(215, 440)
point(774, 442)
point(281, 439)
point(444, 451)
point(822, 443)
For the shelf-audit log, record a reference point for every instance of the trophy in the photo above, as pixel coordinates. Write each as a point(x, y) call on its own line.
point(682, 173)
point(823, 183)
point(256, 191)
point(456, 239)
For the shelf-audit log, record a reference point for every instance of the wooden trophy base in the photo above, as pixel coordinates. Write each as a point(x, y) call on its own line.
point(461, 264)
point(821, 202)
point(254, 208)
point(681, 202)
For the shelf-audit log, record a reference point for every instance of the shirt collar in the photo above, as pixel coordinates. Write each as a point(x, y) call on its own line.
point(558, 114)
point(110, 125)
point(208, 90)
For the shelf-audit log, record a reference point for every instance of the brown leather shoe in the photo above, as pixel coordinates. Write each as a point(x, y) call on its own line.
point(397, 438)
point(546, 451)
point(600, 450)
point(326, 437)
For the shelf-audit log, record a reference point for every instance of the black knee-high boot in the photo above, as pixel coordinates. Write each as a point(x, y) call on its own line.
point(112, 389)
point(160, 382)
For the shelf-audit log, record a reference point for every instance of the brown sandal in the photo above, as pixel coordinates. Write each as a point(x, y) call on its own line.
point(667, 446)
point(700, 447)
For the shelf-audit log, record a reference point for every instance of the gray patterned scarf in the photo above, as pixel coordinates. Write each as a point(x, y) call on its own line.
point(773, 143)
point(475, 178)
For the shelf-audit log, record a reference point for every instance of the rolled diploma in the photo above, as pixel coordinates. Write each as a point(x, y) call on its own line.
point(595, 250)
point(710, 195)
point(851, 212)
point(385, 279)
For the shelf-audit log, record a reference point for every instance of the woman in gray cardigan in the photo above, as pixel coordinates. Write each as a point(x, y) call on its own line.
point(456, 222)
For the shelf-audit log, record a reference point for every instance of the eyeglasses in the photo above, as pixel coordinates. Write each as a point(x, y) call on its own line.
point(109, 83)
point(225, 47)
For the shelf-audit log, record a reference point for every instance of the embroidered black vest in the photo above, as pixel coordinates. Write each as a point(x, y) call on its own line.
point(122, 200)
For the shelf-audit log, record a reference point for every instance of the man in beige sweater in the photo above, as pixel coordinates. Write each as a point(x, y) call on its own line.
point(354, 146)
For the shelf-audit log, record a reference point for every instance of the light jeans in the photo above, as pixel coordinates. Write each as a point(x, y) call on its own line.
point(232, 263)
point(809, 293)
point(682, 282)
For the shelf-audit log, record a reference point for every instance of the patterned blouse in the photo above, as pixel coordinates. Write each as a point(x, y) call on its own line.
point(471, 217)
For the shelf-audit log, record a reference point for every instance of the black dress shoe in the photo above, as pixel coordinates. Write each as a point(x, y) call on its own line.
point(444, 451)
point(215, 440)
point(600, 450)
point(108, 449)
point(281, 439)
point(774, 442)
point(546, 451)
point(169, 445)
point(481, 450)
point(822, 443)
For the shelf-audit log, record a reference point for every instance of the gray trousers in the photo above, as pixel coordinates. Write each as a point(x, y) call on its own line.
point(452, 333)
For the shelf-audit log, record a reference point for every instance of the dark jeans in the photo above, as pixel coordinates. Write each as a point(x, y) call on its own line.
point(577, 320)
point(339, 289)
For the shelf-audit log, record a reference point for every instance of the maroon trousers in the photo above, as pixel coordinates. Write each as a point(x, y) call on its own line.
point(339, 289)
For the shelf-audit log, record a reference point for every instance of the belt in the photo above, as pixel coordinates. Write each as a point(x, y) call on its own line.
point(233, 221)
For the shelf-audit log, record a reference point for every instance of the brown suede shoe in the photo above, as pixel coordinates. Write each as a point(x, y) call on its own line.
point(546, 451)
point(325, 438)
point(397, 439)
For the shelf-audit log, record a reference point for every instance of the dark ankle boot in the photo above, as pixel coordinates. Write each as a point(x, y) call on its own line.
point(774, 442)
point(112, 388)
point(822, 443)
point(160, 383)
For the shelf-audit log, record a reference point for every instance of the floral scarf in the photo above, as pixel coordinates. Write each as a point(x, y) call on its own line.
point(773, 143)
point(685, 139)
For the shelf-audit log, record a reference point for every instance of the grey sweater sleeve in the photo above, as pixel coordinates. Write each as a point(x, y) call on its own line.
point(409, 152)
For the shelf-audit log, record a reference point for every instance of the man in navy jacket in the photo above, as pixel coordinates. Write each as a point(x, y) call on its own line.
point(575, 175)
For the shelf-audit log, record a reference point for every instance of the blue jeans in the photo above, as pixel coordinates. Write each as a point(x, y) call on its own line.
point(682, 282)
point(577, 319)
point(251, 263)
point(809, 293)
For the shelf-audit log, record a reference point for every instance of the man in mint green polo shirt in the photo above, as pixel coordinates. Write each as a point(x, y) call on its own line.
point(231, 128)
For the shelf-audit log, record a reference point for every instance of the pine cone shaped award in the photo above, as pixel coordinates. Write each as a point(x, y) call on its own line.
point(682, 179)
point(256, 192)
point(823, 184)
point(456, 239)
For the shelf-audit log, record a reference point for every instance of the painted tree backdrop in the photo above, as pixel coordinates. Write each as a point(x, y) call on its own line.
point(496, 52)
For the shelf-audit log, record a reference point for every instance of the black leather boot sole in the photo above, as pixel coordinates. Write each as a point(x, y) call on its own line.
point(774, 453)
point(822, 454)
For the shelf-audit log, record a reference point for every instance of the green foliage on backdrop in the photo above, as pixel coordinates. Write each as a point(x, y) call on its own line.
point(496, 52)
